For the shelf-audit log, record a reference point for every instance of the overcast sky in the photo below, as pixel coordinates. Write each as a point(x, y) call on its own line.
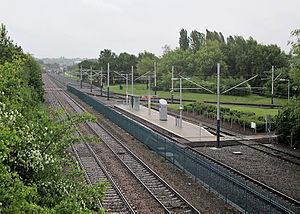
point(81, 28)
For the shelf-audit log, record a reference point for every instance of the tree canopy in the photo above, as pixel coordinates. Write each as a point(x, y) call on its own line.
point(37, 175)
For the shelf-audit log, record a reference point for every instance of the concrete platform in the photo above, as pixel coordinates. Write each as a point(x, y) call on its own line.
point(188, 130)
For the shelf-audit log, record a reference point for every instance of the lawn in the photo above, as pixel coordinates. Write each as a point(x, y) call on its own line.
point(140, 89)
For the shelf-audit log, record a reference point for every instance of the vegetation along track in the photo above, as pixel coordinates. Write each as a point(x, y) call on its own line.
point(95, 171)
point(170, 200)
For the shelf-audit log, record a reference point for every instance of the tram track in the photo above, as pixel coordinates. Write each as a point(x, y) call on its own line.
point(164, 194)
point(257, 183)
point(95, 171)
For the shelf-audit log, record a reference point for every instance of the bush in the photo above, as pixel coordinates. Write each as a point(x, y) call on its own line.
point(287, 124)
point(238, 116)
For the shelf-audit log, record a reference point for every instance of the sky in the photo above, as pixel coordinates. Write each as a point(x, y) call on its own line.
point(82, 28)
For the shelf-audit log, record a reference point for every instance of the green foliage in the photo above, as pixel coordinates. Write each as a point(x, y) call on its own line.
point(7, 48)
point(197, 41)
point(144, 65)
point(226, 113)
point(183, 40)
point(107, 56)
point(37, 175)
point(205, 60)
point(288, 124)
point(125, 61)
point(295, 61)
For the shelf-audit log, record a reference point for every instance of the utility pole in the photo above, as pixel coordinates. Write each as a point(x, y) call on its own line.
point(132, 86)
point(272, 84)
point(91, 80)
point(126, 89)
point(172, 90)
point(107, 81)
point(155, 78)
point(101, 84)
point(180, 106)
point(218, 106)
point(149, 96)
point(80, 76)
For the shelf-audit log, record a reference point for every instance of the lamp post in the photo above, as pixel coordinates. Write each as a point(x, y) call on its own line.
point(81, 76)
point(101, 84)
point(218, 106)
point(91, 79)
point(154, 78)
point(107, 81)
point(172, 90)
point(272, 84)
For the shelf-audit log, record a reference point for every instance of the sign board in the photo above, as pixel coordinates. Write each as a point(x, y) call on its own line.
point(253, 125)
point(181, 107)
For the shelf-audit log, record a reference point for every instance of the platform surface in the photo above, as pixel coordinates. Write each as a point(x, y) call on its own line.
point(188, 130)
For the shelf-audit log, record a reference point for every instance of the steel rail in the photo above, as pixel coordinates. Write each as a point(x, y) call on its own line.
point(102, 167)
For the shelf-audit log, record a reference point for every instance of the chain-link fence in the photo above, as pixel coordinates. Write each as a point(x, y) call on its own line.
point(232, 189)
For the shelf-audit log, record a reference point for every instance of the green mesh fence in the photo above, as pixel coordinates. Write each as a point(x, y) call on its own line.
point(234, 190)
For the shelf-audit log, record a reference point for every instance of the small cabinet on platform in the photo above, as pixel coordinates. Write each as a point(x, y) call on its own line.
point(163, 109)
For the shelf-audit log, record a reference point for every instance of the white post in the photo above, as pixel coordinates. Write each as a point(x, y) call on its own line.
point(132, 86)
point(101, 85)
point(272, 84)
point(218, 106)
point(155, 78)
point(81, 76)
point(91, 79)
point(149, 97)
point(107, 81)
point(127, 89)
point(180, 107)
point(172, 90)
point(132, 80)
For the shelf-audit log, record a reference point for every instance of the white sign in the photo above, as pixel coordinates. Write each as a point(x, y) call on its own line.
point(253, 125)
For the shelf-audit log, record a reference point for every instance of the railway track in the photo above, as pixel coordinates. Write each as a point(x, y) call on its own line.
point(236, 172)
point(257, 183)
point(282, 155)
point(164, 194)
point(95, 171)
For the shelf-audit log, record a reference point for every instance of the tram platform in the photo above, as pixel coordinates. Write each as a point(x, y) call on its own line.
point(188, 131)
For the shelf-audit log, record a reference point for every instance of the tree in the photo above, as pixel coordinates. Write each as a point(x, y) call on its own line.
point(107, 56)
point(146, 54)
point(183, 40)
point(144, 65)
point(7, 48)
point(166, 49)
point(36, 172)
point(197, 41)
point(294, 72)
point(287, 124)
point(125, 61)
point(206, 59)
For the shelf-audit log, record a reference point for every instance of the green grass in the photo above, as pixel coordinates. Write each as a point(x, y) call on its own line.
point(70, 76)
point(139, 89)
point(258, 111)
